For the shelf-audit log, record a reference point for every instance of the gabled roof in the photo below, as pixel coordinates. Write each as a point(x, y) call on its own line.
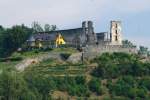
point(51, 35)
point(42, 36)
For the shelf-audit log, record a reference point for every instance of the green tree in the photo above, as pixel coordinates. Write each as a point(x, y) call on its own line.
point(13, 86)
point(53, 27)
point(143, 50)
point(41, 85)
point(127, 43)
point(95, 86)
point(37, 27)
point(47, 28)
point(13, 38)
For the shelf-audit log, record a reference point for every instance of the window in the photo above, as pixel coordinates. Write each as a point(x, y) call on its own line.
point(116, 31)
point(116, 38)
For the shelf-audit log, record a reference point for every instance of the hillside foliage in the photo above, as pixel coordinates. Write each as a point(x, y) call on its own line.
point(13, 38)
point(118, 76)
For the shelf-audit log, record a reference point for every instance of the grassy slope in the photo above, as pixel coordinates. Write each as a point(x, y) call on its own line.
point(54, 67)
point(31, 54)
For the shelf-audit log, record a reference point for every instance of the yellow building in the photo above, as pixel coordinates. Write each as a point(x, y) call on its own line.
point(60, 40)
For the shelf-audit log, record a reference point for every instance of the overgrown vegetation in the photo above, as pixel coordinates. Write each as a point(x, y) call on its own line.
point(126, 75)
point(118, 76)
point(13, 38)
point(120, 64)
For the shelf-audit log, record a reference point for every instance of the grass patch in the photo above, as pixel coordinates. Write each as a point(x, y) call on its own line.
point(8, 65)
point(65, 50)
point(52, 67)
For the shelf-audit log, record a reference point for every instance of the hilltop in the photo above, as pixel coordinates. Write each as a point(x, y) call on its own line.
point(50, 75)
point(113, 72)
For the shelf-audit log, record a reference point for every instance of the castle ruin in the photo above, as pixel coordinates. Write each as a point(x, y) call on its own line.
point(84, 37)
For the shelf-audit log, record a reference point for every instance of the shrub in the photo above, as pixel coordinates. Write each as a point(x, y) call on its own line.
point(11, 59)
point(95, 86)
point(119, 64)
point(65, 56)
point(13, 86)
point(80, 80)
point(145, 82)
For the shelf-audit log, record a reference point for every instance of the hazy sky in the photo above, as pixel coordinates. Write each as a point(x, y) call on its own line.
point(134, 14)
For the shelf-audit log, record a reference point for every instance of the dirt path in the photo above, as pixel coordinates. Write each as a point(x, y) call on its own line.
point(29, 61)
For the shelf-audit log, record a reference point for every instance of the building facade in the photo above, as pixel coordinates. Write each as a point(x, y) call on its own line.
point(78, 37)
point(116, 33)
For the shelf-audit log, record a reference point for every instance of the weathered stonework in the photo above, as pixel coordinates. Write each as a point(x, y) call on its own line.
point(85, 37)
point(95, 50)
point(116, 33)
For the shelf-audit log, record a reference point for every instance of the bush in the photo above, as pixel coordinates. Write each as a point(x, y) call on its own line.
point(95, 86)
point(119, 64)
point(40, 84)
point(128, 87)
point(36, 51)
point(47, 49)
point(80, 80)
point(137, 92)
point(75, 86)
point(13, 86)
point(11, 59)
point(145, 82)
point(65, 56)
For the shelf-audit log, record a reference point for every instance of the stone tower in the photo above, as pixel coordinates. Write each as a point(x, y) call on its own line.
point(89, 32)
point(116, 33)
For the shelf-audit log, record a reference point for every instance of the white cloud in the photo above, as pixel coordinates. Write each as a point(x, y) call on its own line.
point(52, 11)
point(70, 13)
point(65, 11)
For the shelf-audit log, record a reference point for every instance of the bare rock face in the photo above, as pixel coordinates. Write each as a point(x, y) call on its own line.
point(75, 58)
point(29, 61)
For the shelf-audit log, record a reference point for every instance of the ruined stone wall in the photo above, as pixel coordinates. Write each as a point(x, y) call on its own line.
point(95, 50)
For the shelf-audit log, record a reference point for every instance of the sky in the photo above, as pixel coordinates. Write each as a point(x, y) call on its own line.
point(66, 14)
